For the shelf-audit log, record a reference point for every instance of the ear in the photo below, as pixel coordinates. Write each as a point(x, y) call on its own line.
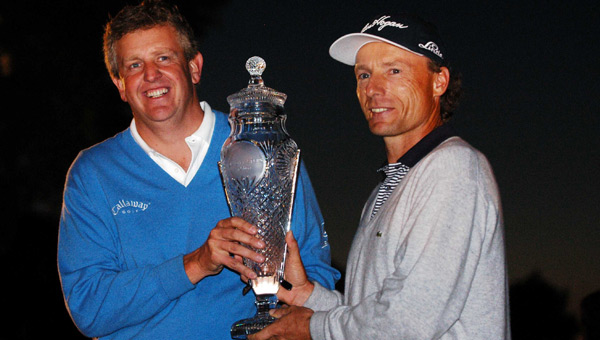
point(440, 81)
point(121, 87)
point(196, 68)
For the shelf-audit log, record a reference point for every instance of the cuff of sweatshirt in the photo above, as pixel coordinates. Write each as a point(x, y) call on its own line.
point(173, 279)
point(317, 325)
point(322, 299)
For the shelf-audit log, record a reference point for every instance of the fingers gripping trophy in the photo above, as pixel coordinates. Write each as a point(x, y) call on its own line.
point(259, 166)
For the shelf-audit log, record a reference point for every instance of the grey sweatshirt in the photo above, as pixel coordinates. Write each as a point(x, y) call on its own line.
point(430, 264)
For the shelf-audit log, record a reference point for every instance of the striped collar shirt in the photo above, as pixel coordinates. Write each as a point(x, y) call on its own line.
point(394, 173)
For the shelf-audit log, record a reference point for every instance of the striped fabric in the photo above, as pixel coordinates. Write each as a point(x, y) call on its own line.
point(394, 173)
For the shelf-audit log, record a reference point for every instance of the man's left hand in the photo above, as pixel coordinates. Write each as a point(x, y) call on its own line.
point(292, 324)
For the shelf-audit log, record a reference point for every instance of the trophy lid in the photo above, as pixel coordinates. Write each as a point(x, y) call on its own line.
point(256, 92)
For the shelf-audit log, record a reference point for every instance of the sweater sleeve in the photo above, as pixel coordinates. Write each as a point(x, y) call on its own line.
point(452, 225)
point(323, 299)
point(308, 228)
point(101, 293)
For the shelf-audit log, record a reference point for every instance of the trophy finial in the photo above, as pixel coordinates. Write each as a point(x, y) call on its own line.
point(256, 91)
point(256, 66)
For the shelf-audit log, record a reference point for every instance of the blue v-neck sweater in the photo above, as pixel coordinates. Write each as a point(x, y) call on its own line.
point(124, 228)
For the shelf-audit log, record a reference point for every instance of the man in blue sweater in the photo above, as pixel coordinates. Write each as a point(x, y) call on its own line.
point(146, 250)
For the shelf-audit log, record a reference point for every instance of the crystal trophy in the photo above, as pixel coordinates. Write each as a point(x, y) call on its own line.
point(259, 166)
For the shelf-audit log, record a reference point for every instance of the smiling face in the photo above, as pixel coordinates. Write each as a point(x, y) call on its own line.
point(399, 94)
point(155, 78)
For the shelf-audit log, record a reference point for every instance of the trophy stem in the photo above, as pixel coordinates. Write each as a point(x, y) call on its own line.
point(264, 303)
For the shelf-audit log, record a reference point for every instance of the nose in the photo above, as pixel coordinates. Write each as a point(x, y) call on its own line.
point(151, 72)
point(375, 86)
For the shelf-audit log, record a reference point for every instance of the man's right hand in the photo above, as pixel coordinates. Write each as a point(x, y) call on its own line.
point(296, 275)
point(223, 248)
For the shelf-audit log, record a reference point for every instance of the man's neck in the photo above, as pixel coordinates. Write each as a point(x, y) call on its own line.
point(436, 137)
point(168, 138)
point(397, 146)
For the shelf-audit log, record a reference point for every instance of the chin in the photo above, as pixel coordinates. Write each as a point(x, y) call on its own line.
point(378, 129)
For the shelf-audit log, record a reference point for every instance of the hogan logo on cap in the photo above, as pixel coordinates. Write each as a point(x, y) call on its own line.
point(382, 23)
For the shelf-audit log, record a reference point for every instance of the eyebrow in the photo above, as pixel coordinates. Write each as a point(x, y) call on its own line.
point(394, 62)
point(154, 52)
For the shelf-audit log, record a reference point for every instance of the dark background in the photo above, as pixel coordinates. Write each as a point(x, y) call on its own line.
point(530, 73)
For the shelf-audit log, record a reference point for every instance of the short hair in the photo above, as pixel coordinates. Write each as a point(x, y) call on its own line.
point(450, 99)
point(146, 15)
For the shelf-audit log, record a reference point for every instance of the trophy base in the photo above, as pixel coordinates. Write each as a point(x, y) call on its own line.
point(241, 329)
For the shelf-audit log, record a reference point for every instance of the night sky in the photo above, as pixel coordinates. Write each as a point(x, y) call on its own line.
point(530, 78)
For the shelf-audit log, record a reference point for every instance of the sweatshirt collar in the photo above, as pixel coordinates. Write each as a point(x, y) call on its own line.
point(426, 144)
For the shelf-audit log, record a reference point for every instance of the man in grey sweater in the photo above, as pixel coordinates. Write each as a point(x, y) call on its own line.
point(428, 259)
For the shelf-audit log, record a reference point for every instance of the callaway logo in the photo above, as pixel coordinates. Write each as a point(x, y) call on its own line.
point(431, 46)
point(383, 24)
point(129, 207)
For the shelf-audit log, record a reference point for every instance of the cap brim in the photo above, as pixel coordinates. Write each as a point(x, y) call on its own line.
point(345, 48)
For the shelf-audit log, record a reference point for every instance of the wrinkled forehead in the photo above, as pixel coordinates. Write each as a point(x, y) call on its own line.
point(387, 54)
point(142, 41)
